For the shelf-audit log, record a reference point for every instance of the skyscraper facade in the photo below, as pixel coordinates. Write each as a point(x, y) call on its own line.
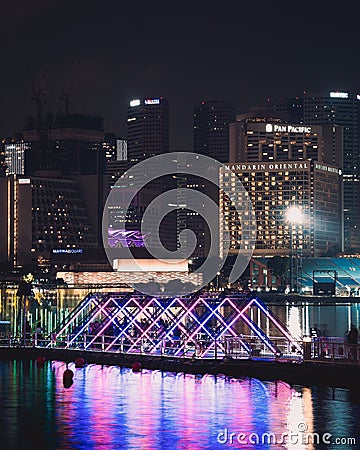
point(211, 128)
point(342, 109)
point(281, 166)
point(211, 121)
point(260, 139)
point(65, 144)
point(147, 128)
point(15, 153)
point(43, 216)
point(275, 188)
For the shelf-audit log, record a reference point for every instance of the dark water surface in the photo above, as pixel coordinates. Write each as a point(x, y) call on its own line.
point(109, 407)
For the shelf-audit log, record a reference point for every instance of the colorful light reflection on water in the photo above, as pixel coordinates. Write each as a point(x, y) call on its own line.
point(112, 407)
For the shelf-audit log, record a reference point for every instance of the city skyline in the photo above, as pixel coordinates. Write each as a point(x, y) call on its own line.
point(102, 56)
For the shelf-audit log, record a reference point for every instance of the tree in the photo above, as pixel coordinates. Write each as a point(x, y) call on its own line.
point(279, 267)
point(24, 292)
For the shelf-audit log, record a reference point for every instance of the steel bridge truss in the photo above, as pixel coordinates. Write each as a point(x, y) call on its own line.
point(138, 323)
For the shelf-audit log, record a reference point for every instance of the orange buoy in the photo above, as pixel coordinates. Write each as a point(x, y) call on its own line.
point(136, 367)
point(79, 362)
point(40, 361)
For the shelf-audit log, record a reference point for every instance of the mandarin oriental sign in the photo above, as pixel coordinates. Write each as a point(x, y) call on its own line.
point(276, 128)
point(302, 165)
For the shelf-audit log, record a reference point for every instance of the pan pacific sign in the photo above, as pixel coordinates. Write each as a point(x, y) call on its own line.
point(286, 128)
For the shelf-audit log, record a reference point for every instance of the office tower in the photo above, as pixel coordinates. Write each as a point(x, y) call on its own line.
point(148, 136)
point(342, 109)
point(211, 121)
point(116, 160)
point(2, 159)
point(15, 156)
point(147, 128)
point(211, 128)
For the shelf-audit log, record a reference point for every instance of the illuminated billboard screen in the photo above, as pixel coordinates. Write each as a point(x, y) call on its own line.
point(125, 238)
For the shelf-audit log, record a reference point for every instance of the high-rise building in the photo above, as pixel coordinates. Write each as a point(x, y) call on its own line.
point(116, 160)
point(275, 187)
point(261, 139)
point(15, 156)
point(65, 144)
point(342, 109)
point(211, 120)
point(211, 128)
point(289, 109)
point(44, 216)
point(282, 165)
point(71, 146)
point(147, 128)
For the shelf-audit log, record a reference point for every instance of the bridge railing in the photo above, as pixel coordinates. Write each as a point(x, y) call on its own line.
point(330, 350)
point(334, 349)
point(199, 346)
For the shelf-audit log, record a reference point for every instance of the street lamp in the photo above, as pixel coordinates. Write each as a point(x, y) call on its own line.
point(294, 217)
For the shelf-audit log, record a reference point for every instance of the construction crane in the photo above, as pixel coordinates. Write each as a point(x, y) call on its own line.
point(39, 96)
point(65, 97)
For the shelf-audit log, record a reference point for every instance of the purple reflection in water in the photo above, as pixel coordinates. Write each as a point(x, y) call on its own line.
point(153, 409)
point(109, 407)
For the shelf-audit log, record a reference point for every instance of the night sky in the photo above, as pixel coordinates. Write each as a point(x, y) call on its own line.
point(107, 52)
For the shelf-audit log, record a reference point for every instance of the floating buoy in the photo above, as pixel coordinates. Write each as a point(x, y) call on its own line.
point(40, 361)
point(68, 383)
point(68, 374)
point(136, 367)
point(68, 378)
point(79, 362)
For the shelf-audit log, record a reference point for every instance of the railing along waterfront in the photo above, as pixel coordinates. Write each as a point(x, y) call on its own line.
point(200, 347)
point(332, 350)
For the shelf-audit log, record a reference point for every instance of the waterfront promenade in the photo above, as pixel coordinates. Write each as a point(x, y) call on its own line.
point(322, 364)
point(201, 333)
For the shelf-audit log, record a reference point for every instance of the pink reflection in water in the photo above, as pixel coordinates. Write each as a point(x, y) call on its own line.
point(117, 408)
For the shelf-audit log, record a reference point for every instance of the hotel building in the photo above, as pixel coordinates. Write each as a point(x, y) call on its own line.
point(45, 217)
point(273, 188)
point(283, 165)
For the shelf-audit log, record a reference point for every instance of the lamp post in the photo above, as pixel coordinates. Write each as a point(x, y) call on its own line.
point(294, 217)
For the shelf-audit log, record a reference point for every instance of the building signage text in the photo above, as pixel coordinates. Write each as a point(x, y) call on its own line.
point(339, 94)
point(268, 166)
point(276, 128)
point(328, 168)
point(152, 101)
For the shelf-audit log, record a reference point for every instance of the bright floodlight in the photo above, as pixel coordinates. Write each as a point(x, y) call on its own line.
point(294, 215)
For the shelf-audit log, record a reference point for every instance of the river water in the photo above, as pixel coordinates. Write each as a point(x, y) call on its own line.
point(110, 407)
